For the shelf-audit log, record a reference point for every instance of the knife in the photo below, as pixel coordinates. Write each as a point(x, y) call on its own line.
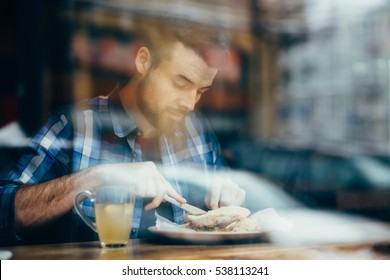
point(185, 206)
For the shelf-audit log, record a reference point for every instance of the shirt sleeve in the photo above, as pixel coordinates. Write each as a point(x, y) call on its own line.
point(48, 157)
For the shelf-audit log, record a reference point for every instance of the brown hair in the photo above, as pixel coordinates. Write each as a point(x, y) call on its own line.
point(158, 35)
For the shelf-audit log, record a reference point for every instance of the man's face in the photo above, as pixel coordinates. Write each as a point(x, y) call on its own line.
point(168, 92)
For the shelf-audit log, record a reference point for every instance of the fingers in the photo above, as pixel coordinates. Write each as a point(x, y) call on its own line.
point(169, 190)
point(157, 186)
point(144, 178)
point(160, 197)
point(233, 195)
point(177, 196)
point(225, 192)
point(215, 195)
point(154, 203)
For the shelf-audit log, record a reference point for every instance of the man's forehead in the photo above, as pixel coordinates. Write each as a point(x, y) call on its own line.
point(190, 63)
point(199, 76)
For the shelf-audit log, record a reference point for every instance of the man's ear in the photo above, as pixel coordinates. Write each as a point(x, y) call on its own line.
point(143, 60)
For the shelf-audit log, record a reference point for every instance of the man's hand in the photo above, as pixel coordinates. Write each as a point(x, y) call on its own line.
point(223, 192)
point(143, 177)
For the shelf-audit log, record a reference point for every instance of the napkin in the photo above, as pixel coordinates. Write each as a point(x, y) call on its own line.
point(165, 224)
point(268, 220)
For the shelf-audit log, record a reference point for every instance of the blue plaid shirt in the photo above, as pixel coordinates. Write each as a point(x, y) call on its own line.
point(99, 131)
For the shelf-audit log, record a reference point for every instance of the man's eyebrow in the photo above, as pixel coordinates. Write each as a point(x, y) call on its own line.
point(185, 78)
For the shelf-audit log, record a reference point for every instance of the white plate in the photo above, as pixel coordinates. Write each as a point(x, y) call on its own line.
point(5, 255)
point(210, 236)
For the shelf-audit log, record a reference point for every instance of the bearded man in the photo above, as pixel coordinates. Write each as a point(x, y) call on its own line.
point(121, 139)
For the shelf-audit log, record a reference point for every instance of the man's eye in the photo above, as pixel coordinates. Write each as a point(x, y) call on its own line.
point(180, 85)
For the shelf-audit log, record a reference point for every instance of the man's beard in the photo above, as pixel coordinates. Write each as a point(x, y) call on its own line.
point(157, 118)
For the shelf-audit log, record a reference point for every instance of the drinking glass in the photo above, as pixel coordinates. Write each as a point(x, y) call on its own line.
point(114, 208)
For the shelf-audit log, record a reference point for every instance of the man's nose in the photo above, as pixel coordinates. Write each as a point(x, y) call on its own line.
point(188, 101)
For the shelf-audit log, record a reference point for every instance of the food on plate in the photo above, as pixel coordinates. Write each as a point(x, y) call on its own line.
point(243, 225)
point(226, 218)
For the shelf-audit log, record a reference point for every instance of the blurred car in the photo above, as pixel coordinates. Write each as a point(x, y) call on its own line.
point(300, 168)
point(310, 226)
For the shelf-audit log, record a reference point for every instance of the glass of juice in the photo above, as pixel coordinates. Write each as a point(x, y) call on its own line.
point(114, 208)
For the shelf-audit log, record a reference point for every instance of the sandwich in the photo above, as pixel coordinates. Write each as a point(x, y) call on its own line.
point(226, 218)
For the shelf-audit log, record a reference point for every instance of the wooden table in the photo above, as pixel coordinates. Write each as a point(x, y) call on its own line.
point(149, 250)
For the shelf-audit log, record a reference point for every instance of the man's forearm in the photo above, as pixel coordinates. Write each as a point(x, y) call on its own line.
point(38, 204)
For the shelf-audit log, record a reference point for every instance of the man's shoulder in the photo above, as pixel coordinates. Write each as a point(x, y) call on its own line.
point(68, 114)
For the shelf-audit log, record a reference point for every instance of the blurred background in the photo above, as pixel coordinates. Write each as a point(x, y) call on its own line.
point(305, 102)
